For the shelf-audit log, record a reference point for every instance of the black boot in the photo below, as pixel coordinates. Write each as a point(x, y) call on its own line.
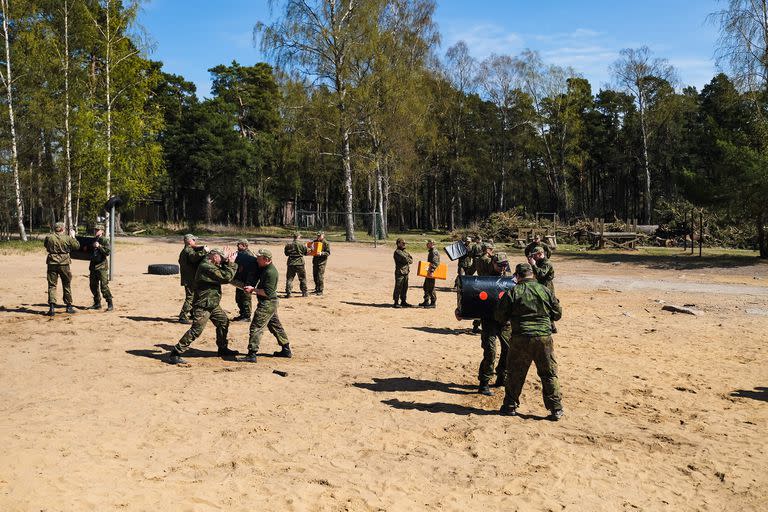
point(405, 304)
point(285, 351)
point(424, 304)
point(51, 310)
point(250, 358)
point(175, 358)
point(96, 304)
point(110, 306)
point(555, 415)
point(507, 410)
point(484, 389)
point(499, 381)
point(70, 309)
point(227, 352)
point(432, 305)
point(396, 305)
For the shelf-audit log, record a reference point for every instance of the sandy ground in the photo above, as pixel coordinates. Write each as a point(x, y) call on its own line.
point(378, 410)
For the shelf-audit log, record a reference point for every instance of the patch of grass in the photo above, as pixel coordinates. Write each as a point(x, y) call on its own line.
point(18, 247)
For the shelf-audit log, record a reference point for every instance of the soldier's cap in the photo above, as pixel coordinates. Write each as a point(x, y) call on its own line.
point(217, 251)
point(320, 233)
point(190, 236)
point(488, 245)
point(98, 227)
point(538, 250)
point(500, 257)
point(59, 226)
point(522, 269)
point(430, 241)
point(266, 253)
point(399, 240)
point(242, 241)
point(467, 238)
point(295, 234)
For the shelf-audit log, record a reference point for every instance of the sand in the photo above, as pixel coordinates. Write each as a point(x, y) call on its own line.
point(378, 410)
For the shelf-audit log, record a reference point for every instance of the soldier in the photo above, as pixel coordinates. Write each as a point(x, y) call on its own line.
point(189, 259)
point(544, 272)
point(403, 260)
point(490, 331)
point(433, 258)
point(296, 252)
point(99, 269)
point(484, 267)
point(264, 285)
point(535, 244)
point(530, 307)
point(467, 262)
point(242, 299)
point(318, 263)
point(58, 246)
point(217, 269)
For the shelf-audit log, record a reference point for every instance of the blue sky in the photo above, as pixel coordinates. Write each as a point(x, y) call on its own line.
point(191, 36)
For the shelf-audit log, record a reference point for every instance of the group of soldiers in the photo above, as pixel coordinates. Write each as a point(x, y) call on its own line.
point(522, 322)
point(204, 270)
point(59, 245)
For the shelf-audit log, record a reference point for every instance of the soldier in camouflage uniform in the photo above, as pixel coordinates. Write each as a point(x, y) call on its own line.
point(403, 260)
point(59, 246)
point(543, 271)
point(531, 247)
point(530, 307)
point(189, 259)
point(467, 262)
point(242, 299)
point(318, 263)
point(264, 285)
point(217, 269)
point(433, 258)
point(296, 251)
point(491, 330)
point(99, 270)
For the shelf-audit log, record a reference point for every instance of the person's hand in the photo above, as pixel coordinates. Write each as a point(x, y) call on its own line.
point(96, 244)
point(72, 233)
point(531, 261)
point(206, 248)
point(231, 257)
point(248, 289)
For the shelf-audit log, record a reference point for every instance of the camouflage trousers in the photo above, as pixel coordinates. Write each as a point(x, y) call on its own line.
point(243, 301)
point(318, 274)
point(266, 316)
point(186, 308)
point(54, 273)
point(294, 271)
point(200, 317)
point(99, 281)
point(401, 288)
point(429, 291)
point(523, 350)
point(491, 331)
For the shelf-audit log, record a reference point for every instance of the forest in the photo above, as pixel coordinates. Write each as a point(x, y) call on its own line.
point(359, 109)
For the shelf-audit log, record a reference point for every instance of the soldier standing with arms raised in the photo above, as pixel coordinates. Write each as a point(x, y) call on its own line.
point(189, 259)
point(98, 270)
point(59, 246)
point(264, 284)
point(318, 263)
point(433, 258)
point(296, 252)
point(403, 261)
point(530, 307)
point(217, 269)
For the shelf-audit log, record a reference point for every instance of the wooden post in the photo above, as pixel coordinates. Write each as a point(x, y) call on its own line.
point(685, 226)
point(602, 231)
point(701, 230)
point(693, 228)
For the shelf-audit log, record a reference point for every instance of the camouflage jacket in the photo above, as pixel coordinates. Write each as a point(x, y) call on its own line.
point(532, 247)
point(402, 261)
point(529, 307)
point(323, 255)
point(433, 258)
point(484, 267)
point(99, 258)
point(58, 246)
point(295, 252)
point(266, 279)
point(189, 260)
point(545, 273)
point(208, 281)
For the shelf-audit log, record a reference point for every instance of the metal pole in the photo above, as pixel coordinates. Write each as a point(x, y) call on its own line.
point(112, 241)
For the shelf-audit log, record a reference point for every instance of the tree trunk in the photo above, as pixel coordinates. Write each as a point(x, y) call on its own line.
point(8, 81)
point(208, 209)
point(107, 63)
point(67, 145)
point(762, 240)
point(646, 166)
point(348, 193)
point(243, 206)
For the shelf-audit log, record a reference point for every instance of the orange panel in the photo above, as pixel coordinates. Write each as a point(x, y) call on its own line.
point(315, 248)
point(441, 272)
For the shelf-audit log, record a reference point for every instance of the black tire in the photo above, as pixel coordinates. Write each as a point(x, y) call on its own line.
point(163, 269)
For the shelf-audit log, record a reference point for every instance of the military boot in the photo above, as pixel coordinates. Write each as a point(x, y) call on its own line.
point(175, 358)
point(396, 305)
point(484, 389)
point(51, 310)
point(507, 410)
point(424, 304)
point(304, 294)
point(499, 381)
point(250, 358)
point(432, 304)
point(70, 309)
point(285, 351)
point(96, 304)
point(110, 306)
point(555, 415)
point(227, 352)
